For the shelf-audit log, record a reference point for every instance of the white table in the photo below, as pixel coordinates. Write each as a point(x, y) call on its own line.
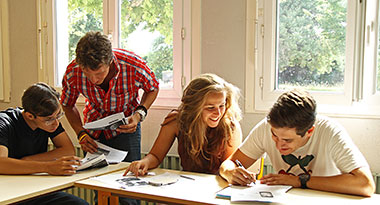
point(15, 188)
point(202, 191)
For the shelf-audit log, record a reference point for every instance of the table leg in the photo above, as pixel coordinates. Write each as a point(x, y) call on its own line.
point(103, 198)
point(114, 200)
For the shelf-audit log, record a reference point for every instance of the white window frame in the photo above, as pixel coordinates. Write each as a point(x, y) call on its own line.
point(358, 98)
point(186, 52)
point(5, 84)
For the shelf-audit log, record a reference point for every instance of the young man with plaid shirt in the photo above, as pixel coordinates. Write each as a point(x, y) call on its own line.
point(110, 80)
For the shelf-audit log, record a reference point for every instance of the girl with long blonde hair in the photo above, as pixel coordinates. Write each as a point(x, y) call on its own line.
point(206, 126)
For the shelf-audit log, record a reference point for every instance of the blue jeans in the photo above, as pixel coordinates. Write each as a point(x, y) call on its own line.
point(130, 142)
point(59, 198)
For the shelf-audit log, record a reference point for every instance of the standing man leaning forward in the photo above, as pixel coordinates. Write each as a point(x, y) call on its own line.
point(109, 79)
point(306, 150)
point(24, 134)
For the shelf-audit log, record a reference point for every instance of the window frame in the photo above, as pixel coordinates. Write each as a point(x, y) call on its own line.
point(186, 45)
point(5, 84)
point(358, 99)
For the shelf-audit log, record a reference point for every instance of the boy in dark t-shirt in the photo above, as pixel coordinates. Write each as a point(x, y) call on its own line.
point(24, 134)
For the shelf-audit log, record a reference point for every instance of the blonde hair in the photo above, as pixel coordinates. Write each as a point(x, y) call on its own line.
point(194, 129)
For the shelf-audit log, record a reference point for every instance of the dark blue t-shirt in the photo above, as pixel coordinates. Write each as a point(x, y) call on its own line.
point(19, 138)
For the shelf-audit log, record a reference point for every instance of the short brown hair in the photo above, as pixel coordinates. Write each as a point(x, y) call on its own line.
point(40, 99)
point(293, 109)
point(93, 50)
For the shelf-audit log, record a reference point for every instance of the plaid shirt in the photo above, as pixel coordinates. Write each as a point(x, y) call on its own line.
point(132, 74)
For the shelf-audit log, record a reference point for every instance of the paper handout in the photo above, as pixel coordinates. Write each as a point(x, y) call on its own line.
point(105, 155)
point(111, 122)
point(95, 162)
point(258, 192)
point(132, 181)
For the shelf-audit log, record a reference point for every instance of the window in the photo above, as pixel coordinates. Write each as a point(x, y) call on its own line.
point(158, 31)
point(320, 46)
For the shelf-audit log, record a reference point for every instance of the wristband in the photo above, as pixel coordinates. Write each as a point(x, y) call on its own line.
point(80, 133)
point(82, 137)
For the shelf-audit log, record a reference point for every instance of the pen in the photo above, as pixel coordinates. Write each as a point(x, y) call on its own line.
point(186, 177)
point(239, 164)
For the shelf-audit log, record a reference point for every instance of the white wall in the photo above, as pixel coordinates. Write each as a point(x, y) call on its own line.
point(222, 52)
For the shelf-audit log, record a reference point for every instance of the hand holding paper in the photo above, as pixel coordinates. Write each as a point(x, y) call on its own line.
point(88, 144)
point(111, 122)
point(102, 157)
point(131, 126)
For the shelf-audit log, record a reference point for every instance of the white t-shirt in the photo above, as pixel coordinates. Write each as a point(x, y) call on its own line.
point(329, 151)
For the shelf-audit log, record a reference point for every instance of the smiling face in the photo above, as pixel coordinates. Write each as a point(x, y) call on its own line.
point(97, 76)
point(287, 140)
point(214, 108)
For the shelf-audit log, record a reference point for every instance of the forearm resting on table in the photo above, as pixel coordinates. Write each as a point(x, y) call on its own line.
point(51, 155)
point(16, 166)
point(358, 182)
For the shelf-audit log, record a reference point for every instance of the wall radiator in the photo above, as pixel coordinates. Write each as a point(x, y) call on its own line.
point(171, 162)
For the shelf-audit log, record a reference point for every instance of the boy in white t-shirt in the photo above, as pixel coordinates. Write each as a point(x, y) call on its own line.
point(306, 150)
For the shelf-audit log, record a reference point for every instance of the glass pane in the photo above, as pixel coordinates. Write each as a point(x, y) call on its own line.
point(147, 30)
point(311, 43)
point(74, 19)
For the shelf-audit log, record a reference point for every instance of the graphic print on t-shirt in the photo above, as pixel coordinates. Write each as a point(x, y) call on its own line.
point(293, 161)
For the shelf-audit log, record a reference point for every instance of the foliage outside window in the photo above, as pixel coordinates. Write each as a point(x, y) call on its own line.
point(150, 22)
point(155, 16)
point(324, 46)
point(84, 16)
point(311, 44)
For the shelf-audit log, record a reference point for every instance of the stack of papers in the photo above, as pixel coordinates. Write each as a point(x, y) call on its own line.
point(105, 155)
point(254, 192)
point(98, 161)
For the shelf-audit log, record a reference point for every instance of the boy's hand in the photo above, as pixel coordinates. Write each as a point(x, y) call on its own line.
point(63, 166)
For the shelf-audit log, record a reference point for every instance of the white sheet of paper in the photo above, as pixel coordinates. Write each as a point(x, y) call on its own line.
point(112, 155)
point(258, 192)
point(109, 179)
point(129, 182)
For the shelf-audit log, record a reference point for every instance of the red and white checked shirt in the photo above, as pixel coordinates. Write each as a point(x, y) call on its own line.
point(132, 74)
